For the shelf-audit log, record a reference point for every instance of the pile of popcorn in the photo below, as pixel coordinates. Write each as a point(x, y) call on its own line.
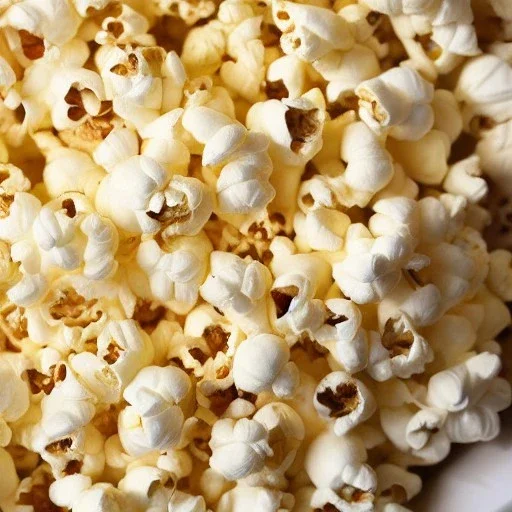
point(242, 262)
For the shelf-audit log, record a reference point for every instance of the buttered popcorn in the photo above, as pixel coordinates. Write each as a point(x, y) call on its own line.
point(254, 256)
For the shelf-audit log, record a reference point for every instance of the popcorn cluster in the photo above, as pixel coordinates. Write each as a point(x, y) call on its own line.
point(242, 262)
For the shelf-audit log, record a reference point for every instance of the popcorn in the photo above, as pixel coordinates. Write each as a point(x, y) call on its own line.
point(345, 470)
point(237, 287)
point(310, 32)
point(398, 103)
point(342, 334)
point(267, 500)
point(286, 434)
point(141, 82)
point(154, 419)
point(122, 350)
point(400, 351)
point(346, 400)
point(244, 45)
point(480, 99)
point(372, 267)
point(238, 448)
point(473, 395)
point(253, 255)
point(175, 271)
point(294, 128)
point(261, 364)
point(360, 165)
point(396, 485)
point(30, 28)
point(236, 161)
point(464, 179)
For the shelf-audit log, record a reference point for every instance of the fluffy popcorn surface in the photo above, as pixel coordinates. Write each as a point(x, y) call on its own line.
point(253, 255)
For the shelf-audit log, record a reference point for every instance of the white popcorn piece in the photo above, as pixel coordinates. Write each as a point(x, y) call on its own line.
point(71, 314)
point(47, 239)
point(102, 244)
point(346, 70)
point(153, 420)
point(243, 498)
point(419, 433)
point(459, 383)
point(203, 50)
point(286, 434)
point(142, 82)
point(236, 161)
point(398, 103)
point(128, 206)
point(66, 491)
point(440, 218)
point(122, 350)
point(295, 311)
point(73, 404)
point(452, 29)
point(238, 448)
point(294, 127)
point(238, 288)
point(344, 465)
point(189, 13)
point(82, 175)
point(261, 364)
point(396, 484)
point(310, 32)
point(358, 164)
point(320, 225)
point(407, 7)
point(145, 487)
point(247, 72)
point(154, 201)
point(100, 497)
point(464, 178)
point(342, 334)
point(394, 216)
point(76, 95)
point(291, 71)
point(466, 398)
point(369, 166)
point(372, 266)
point(175, 271)
point(489, 96)
point(460, 267)
point(436, 39)
point(124, 26)
point(30, 28)
point(400, 351)
point(344, 399)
